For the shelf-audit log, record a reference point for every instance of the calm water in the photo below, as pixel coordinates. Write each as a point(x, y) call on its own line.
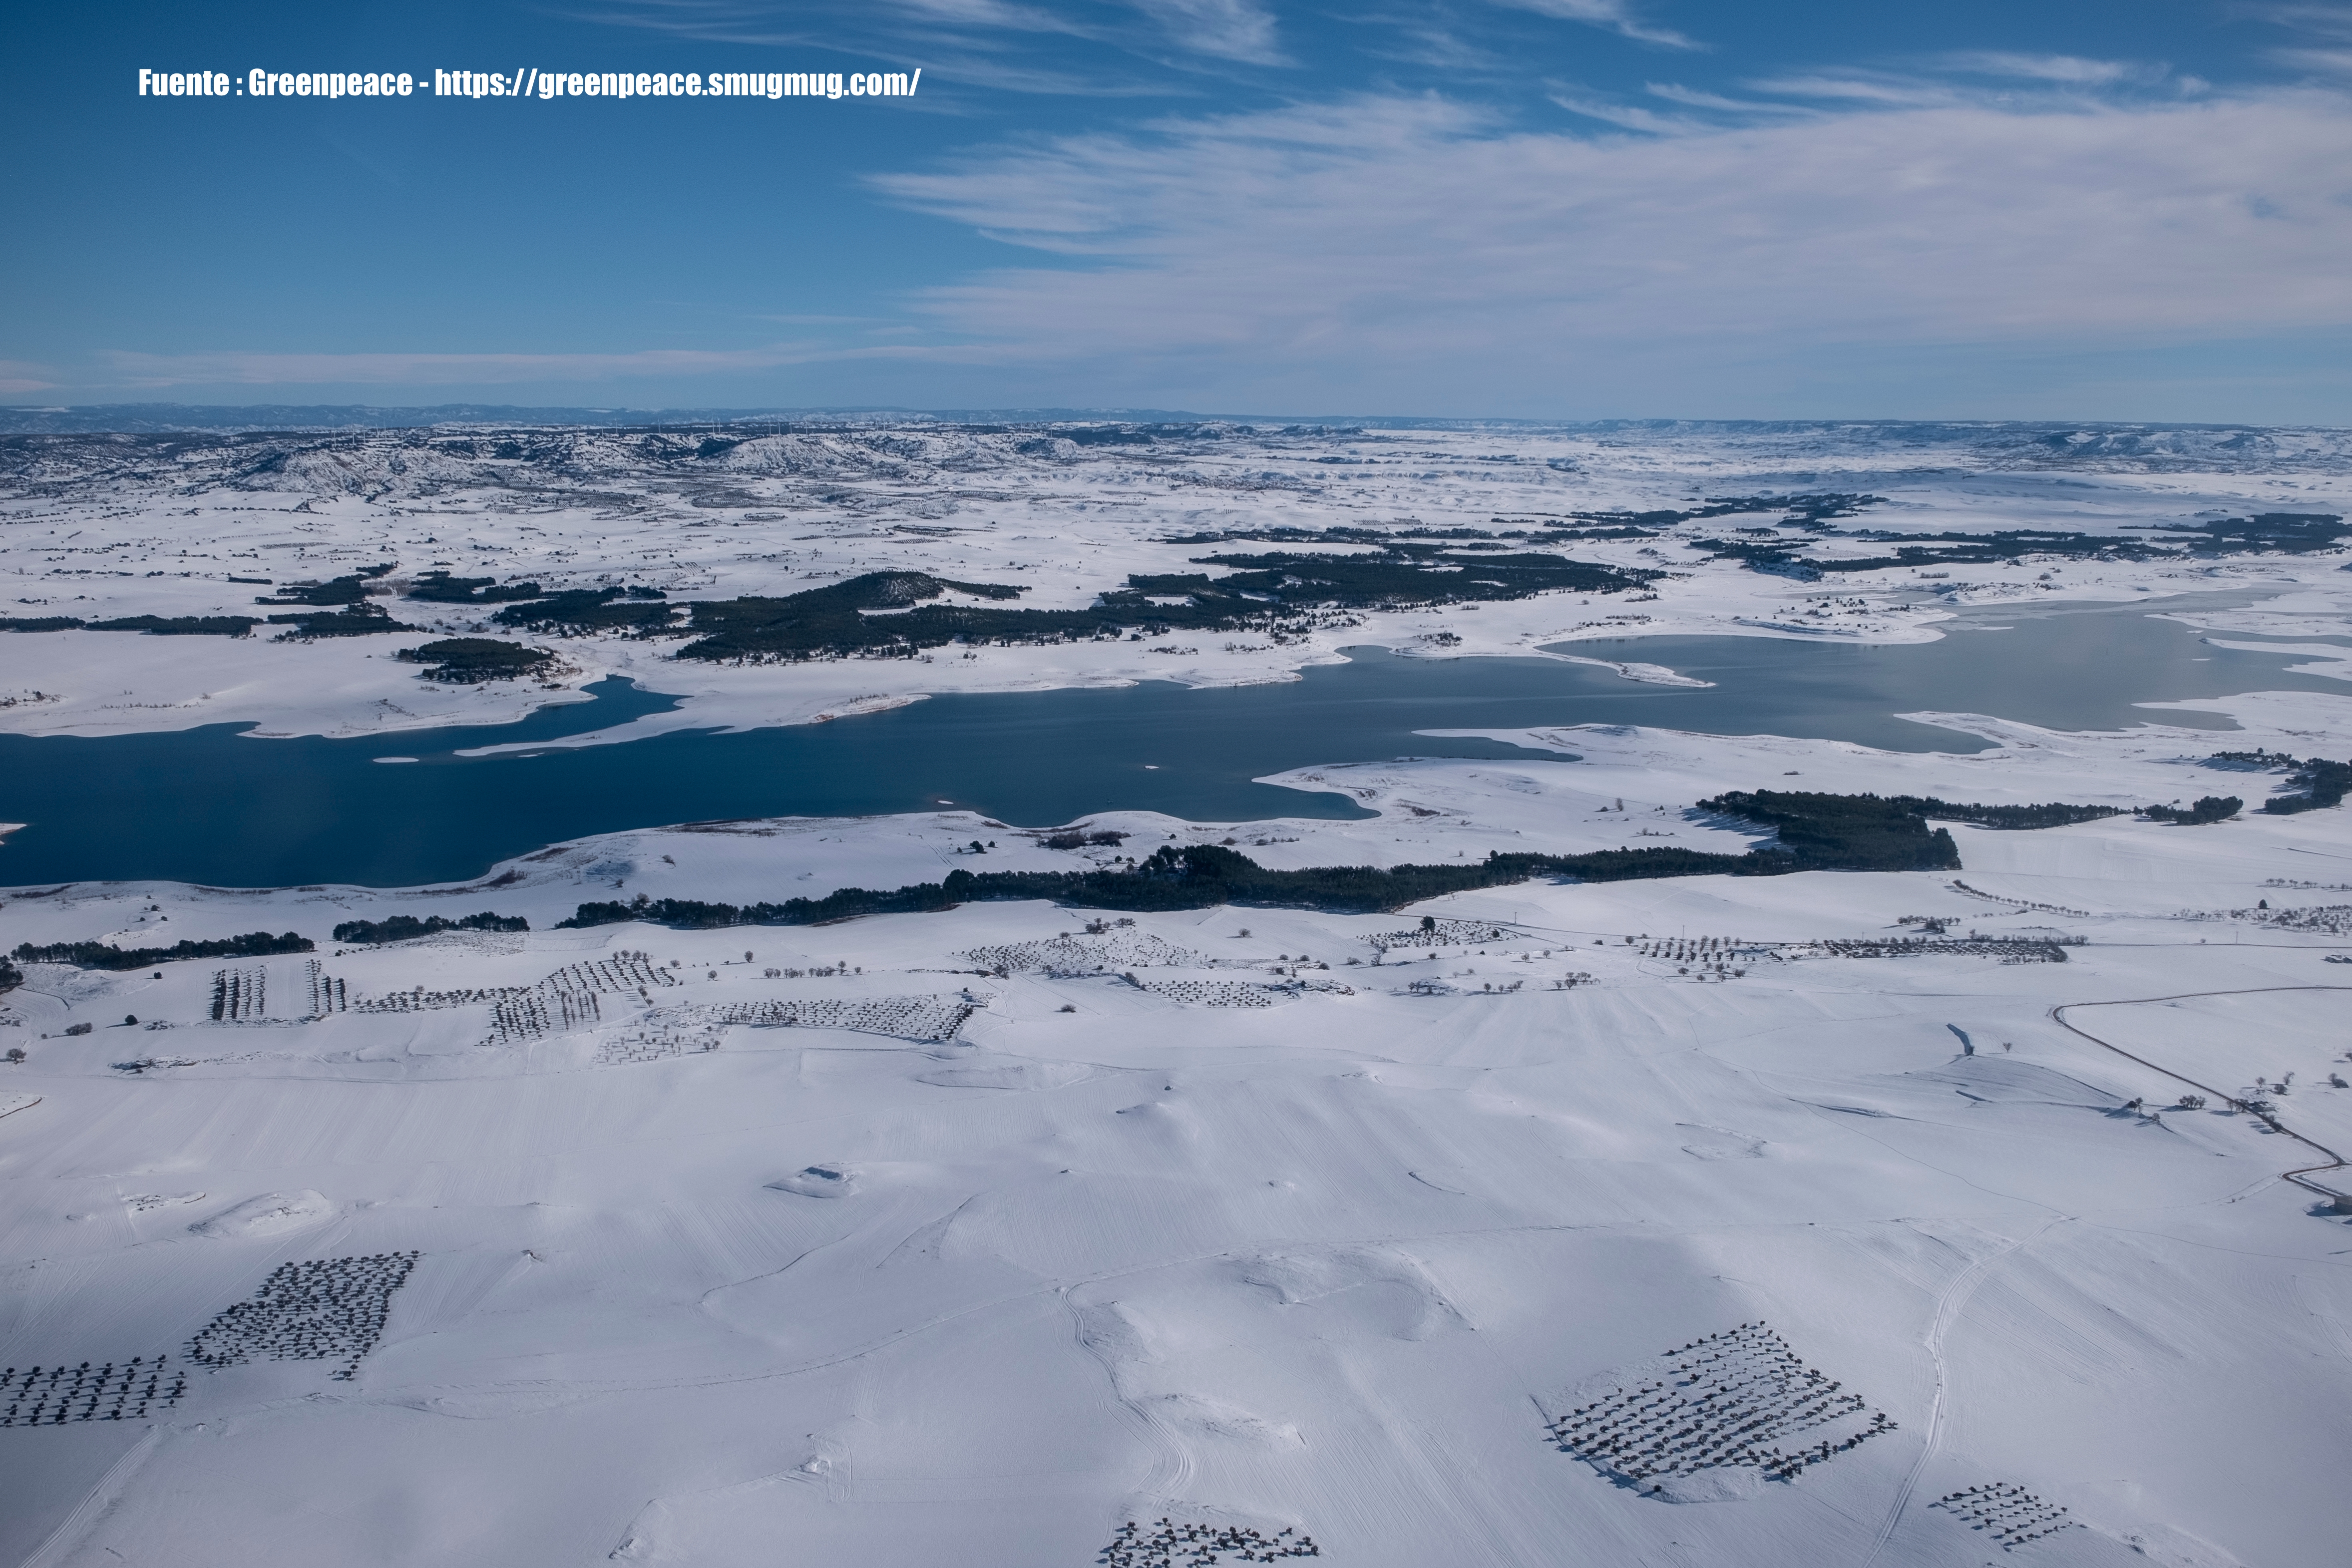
point(210, 806)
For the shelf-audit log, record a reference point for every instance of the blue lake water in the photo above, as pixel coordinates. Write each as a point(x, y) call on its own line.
point(213, 806)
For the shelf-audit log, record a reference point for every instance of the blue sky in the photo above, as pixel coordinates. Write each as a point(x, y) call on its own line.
point(1539, 208)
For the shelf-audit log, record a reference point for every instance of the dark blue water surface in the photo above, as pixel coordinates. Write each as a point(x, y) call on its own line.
point(213, 806)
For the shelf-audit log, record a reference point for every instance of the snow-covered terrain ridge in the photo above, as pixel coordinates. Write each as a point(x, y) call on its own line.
point(1019, 1236)
point(97, 528)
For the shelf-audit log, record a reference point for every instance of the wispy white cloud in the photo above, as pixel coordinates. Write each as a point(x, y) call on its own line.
point(1228, 29)
point(19, 376)
point(2326, 29)
point(1626, 116)
point(1675, 92)
point(1877, 89)
point(2072, 70)
point(1394, 244)
point(2330, 62)
point(1614, 15)
point(2327, 21)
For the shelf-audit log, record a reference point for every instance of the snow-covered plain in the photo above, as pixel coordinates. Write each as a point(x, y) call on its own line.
point(974, 1236)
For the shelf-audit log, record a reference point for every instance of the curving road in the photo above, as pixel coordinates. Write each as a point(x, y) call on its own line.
point(2300, 1173)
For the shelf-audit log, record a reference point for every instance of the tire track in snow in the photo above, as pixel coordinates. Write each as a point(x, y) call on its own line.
point(1955, 1296)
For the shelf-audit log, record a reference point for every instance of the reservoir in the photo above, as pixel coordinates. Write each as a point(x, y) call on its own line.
point(210, 806)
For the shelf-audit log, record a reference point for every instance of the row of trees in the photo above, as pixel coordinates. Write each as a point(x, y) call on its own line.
point(2209, 808)
point(98, 956)
point(153, 625)
point(402, 928)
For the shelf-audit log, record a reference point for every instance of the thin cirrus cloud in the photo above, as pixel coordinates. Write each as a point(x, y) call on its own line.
point(1626, 116)
point(2326, 30)
point(1392, 238)
point(1694, 98)
point(2072, 70)
point(1614, 15)
point(1230, 29)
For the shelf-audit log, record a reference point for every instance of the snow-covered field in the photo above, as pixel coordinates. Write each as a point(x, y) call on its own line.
point(1644, 1223)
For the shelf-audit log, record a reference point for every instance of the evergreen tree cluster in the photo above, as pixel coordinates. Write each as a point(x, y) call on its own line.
point(1083, 839)
point(98, 955)
point(360, 620)
point(1817, 833)
point(402, 928)
point(333, 592)
point(477, 658)
point(577, 611)
point(834, 620)
point(10, 975)
point(1401, 573)
point(2209, 808)
point(1813, 511)
point(1619, 525)
point(1848, 832)
point(438, 587)
point(2318, 782)
point(153, 625)
point(2293, 532)
point(1778, 556)
point(2054, 815)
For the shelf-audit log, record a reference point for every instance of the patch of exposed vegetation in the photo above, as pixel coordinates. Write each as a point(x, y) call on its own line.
point(1849, 832)
point(406, 928)
point(459, 659)
point(2316, 782)
point(2295, 533)
point(578, 612)
point(888, 614)
point(153, 625)
point(360, 620)
point(1816, 833)
point(440, 588)
point(1780, 557)
point(347, 590)
point(2207, 808)
point(98, 956)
